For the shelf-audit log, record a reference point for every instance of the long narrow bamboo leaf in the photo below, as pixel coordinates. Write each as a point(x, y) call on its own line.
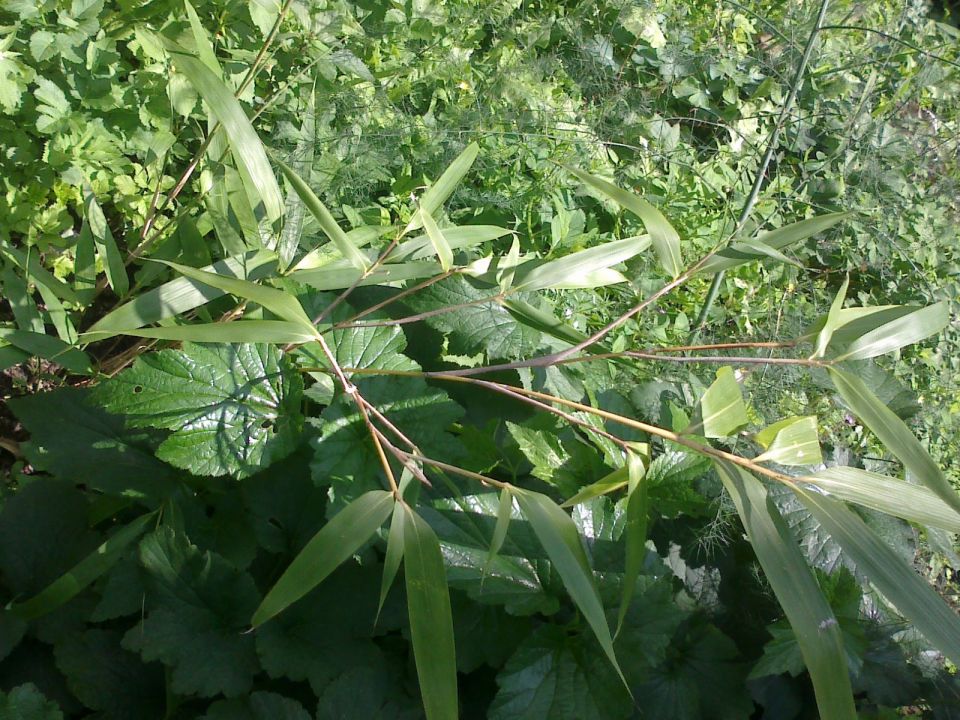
point(810, 616)
point(280, 332)
point(48, 348)
point(635, 535)
point(394, 554)
point(438, 192)
point(335, 542)
point(431, 619)
point(440, 245)
point(571, 270)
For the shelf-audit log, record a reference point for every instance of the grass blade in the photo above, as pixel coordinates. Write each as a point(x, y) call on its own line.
point(558, 535)
point(666, 241)
point(440, 245)
point(458, 237)
point(335, 542)
point(327, 223)
point(247, 148)
point(722, 406)
point(895, 580)
point(437, 194)
point(431, 620)
point(810, 616)
point(894, 434)
point(889, 495)
point(83, 573)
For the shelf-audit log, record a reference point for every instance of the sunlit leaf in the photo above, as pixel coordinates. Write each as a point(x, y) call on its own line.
point(580, 269)
point(439, 191)
point(906, 330)
point(792, 441)
point(504, 511)
point(795, 586)
point(722, 406)
point(279, 332)
point(832, 321)
point(336, 541)
point(106, 246)
point(440, 245)
point(638, 507)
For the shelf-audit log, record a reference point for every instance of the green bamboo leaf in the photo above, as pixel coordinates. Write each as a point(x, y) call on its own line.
point(616, 480)
point(832, 321)
point(894, 434)
point(438, 193)
point(83, 573)
point(280, 302)
point(912, 328)
point(22, 305)
point(106, 246)
point(336, 541)
point(49, 348)
point(810, 616)
point(888, 495)
point(431, 620)
point(30, 265)
point(638, 508)
point(247, 149)
point(792, 441)
point(543, 321)
point(279, 332)
point(394, 554)
point(578, 269)
point(558, 535)
point(722, 406)
point(179, 295)
point(666, 241)
point(440, 245)
point(504, 510)
point(888, 573)
point(740, 253)
point(770, 252)
point(327, 223)
point(337, 276)
point(458, 237)
point(202, 41)
point(295, 212)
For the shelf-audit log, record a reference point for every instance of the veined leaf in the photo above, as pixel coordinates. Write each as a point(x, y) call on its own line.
point(336, 276)
point(327, 223)
point(722, 406)
point(558, 535)
point(335, 542)
point(289, 241)
point(543, 321)
point(832, 321)
point(178, 296)
point(83, 573)
point(431, 620)
point(616, 480)
point(739, 253)
point(280, 302)
point(105, 244)
point(327, 255)
point(440, 245)
point(49, 348)
point(888, 495)
point(792, 441)
point(247, 149)
point(810, 616)
point(906, 330)
point(458, 237)
point(666, 241)
point(279, 332)
point(638, 507)
point(894, 434)
point(438, 193)
point(579, 268)
point(888, 573)
point(202, 41)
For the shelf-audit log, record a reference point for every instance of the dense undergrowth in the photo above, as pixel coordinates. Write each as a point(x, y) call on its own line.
point(174, 439)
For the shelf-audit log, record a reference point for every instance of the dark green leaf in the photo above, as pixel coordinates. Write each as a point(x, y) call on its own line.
point(257, 706)
point(27, 703)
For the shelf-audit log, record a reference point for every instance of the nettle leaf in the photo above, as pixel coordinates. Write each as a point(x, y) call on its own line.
point(557, 455)
point(374, 690)
point(485, 634)
point(198, 606)
point(26, 702)
point(233, 408)
point(107, 678)
point(554, 675)
point(670, 479)
point(363, 347)
point(485, 326)
point(72, 438)
point(344, 453)
point(257, 706)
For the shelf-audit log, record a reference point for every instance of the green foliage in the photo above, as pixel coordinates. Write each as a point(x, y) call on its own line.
point(500, 402)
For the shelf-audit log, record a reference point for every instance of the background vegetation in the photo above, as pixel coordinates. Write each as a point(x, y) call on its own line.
point(105, 445)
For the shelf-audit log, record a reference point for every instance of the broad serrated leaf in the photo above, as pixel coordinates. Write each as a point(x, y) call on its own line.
point(197, 609)
point(247, 149)
point(558, 534)
point(72, 438)
point(232, 408)
point(26, 702)
point(478, 324)
point(894, 434)
point(792, 441)
point(797, 591)
point(722, 406)
point(259, 705)
point(431, 620)
point(554, 675)
point(349, 529)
